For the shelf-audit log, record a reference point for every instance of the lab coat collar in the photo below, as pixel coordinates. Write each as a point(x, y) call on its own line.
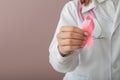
point(91, 5)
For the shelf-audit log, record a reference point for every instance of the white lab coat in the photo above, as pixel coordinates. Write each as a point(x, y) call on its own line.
point(102, 61)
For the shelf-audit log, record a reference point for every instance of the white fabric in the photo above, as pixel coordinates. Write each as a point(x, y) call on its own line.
point(102, 61)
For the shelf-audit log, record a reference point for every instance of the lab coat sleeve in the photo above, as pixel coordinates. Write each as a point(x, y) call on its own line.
point(70, 62)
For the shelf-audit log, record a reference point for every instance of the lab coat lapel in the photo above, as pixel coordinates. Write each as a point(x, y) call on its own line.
point(117, 18)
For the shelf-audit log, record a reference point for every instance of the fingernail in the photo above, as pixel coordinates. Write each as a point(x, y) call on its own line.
point(86, 33)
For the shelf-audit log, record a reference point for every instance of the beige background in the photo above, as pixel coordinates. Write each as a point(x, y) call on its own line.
point(26, 29)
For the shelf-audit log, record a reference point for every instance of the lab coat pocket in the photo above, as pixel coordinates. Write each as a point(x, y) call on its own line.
point(97, 32)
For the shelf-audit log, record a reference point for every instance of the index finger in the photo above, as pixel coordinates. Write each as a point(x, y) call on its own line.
point(72, 29)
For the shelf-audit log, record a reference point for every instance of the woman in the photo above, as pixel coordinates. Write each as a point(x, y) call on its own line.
point(102, 60)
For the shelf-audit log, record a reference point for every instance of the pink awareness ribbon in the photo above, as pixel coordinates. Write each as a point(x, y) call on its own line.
point(88, 26)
